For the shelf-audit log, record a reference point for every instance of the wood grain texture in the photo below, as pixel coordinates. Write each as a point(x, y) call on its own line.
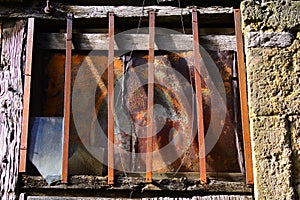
point(26, 95)
point(243, 97)
point(101, 11)
point(11, 94)
point(87, 41)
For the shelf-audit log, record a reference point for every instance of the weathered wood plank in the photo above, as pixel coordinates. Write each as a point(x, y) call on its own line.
point(170, 184)
point(101, 11)
point(210, 197)
point(90, 41)
point(26, 95)
point(243, 97)
point(11, 94)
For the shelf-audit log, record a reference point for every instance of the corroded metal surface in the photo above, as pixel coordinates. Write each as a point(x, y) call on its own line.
point(110, 102)
point(199, 103)
point(67, 100)
point(132, 136)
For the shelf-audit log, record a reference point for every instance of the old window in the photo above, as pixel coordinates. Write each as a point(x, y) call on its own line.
point(97, 94)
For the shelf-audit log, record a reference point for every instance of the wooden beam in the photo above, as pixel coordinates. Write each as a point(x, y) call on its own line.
point(243, 97)
point(26, 95)
point(67, 99)
point(150, 120)
point(110, 89)
point(200, 119)
point(101, 11)
point(124, 42)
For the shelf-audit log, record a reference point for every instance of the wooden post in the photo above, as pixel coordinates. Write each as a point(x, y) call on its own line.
point(111, 99)
point(243, 97)
point(150, 97)
point(67, 99)
point(200, 119)
point(26, 95)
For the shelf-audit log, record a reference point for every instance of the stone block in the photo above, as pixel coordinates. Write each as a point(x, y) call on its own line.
point(295, 143)
point(272, 158)
point(273, 80)
point(271, 16)
point(269, 39)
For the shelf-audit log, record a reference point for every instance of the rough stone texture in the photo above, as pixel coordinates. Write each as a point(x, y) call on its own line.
point(272, 39)
point(271, 16)
point(272, 158)
point(273, 80)
point(10, 106)
point(295, 142)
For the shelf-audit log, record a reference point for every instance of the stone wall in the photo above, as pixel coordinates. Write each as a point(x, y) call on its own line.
point(272, 41)
point(11, 93)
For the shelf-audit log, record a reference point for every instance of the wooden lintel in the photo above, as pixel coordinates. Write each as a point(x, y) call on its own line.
point(101, 11)
point(91, 41)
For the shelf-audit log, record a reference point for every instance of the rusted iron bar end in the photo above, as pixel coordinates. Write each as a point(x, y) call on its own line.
point(243, 97)
point(200, 119)
point(111, 99)
point(67, 99)
point(26, 96)
point(150, 97)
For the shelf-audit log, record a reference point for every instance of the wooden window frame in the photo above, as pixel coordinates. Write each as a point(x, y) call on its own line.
point(67, 92)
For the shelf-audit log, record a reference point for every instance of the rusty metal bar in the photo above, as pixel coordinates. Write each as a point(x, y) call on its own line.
point(200, 119)
point(26, 95)
point(111, 99)
point(150, 97)
point(67, 99)
point(243, 96)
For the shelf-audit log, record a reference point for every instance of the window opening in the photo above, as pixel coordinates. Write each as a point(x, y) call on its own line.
point(186, 163)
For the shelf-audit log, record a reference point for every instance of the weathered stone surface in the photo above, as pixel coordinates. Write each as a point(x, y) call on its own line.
point(272, 158)
point(10, 106)
point(269, 39)
point(295, 142)
point(274, 16)
point(273, 80)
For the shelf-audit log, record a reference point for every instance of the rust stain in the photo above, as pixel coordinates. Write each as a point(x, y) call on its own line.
point(217, 160)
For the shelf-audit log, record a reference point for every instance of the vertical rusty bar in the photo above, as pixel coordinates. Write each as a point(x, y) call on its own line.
point(67, 99)
point(243, 96)
point(150, 97)
point(26, 95)
point(200, 120)
point(111, 99)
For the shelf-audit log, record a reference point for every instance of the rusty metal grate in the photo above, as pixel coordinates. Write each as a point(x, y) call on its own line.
point(150, 98)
